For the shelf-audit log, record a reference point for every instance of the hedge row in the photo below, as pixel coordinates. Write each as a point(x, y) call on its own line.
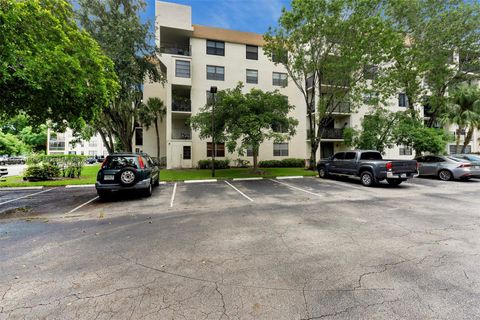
point(69, 166)
point(285, 163)
point(219, 164)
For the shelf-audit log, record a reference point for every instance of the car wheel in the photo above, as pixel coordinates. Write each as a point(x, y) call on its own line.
point(445, 175)
point(148, 190)
point(394, 182)
point(322, 172)
point(128, 177)
point(157, 181)
point(367, 179)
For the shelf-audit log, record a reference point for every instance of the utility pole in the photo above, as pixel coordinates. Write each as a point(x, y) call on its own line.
point(213, 91)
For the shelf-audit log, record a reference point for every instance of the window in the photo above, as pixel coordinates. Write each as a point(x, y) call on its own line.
point(209, 98)
point(280, 149)
point(371, 156)
point(370, 72)
point(187, 152)
point(339, 156)
point(92, 143)
point(250, 152)
point(252, 76)
point(453, 149)
point(279, 127)
point(215, 73)
point(350, 155)
point(280, 79)
point(252, 52)
point(120, 162)
point(405, 151)
point(219, 149)
point(402, 100)
point(91, 153)
point(182, 69)
point(139, 136)
point(216, 47)
point(280, 57)
point(370, 98)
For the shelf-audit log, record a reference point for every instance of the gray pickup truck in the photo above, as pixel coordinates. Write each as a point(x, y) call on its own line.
point(369, 166)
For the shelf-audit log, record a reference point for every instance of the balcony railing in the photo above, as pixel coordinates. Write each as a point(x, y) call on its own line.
point(183, 105)
point(340, 107)
point(332, 133)
point(181, 135)
point(56, 145)
point(174, 48)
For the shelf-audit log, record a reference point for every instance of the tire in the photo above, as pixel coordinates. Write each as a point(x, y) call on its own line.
point(394, 182)
point(148, 191)
point(322, 172)
point(367, 179)
point(127, 177)
point(102, 194)
point(445, 175)
point(157, 181)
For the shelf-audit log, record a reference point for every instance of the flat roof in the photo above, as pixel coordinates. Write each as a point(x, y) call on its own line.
point(227, 35)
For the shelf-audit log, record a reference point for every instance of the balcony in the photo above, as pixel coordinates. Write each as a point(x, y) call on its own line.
point(332, 134)
point(176, 48)
point(340, 107)
point(181, 134)
point(56, 145)
point(181, 104)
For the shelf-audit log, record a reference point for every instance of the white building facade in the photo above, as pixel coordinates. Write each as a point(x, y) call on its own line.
point(66, 143)
point(195, 58)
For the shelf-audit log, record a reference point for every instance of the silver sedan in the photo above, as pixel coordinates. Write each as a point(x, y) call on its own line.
point(447, 168)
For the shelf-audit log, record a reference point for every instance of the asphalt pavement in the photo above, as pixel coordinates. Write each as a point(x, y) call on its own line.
point(269, 249)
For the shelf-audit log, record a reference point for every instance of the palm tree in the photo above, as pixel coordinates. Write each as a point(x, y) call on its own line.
point(464, 111)
point(153, 112)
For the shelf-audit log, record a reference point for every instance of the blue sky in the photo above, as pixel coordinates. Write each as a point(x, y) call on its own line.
point(244, 15)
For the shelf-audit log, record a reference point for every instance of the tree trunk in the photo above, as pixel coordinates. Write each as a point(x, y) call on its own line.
point(105, 142)
point(313, 142)
point(459, 133)
point(158, 139)
point(255, 160)
point(468, 139)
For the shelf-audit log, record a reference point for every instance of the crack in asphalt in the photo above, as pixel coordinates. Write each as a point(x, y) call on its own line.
point(348, 309)
point(384, 268)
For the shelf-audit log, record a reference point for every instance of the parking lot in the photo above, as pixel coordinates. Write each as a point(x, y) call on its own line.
point(254, 249)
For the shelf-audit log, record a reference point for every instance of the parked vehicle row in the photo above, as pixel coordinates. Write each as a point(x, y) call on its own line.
point(371, 168)
point(12, 160)
point(3, 171)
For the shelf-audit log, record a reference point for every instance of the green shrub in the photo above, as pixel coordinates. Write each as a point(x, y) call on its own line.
point(70, 165)
point(242, 163)
point(42, 171)
point(219, 164)
point(285, 163)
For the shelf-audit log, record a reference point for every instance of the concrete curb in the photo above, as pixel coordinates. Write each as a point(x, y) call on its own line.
point(289, 177)
point(248, 179)
point(71, 186)
point(21, 188)
point(200, 181)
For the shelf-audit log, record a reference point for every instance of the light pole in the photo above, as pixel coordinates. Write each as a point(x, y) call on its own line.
point(213, 90)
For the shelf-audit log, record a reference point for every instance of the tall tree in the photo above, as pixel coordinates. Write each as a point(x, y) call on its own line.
point(117, 27)
point(463, 111)
point(437, 47)
point(153, 112)
point(50, 69)
point(246, 120)
point(329, 49)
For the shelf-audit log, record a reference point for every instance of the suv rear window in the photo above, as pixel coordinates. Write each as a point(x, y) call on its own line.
point(120, 162)
point(371, 156)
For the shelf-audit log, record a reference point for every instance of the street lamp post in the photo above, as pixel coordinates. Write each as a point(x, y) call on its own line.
point(213, 90)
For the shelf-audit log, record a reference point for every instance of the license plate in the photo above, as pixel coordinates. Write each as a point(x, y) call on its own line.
point(403, 175)
point(109, 177)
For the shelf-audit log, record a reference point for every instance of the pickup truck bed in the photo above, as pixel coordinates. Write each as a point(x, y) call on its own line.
point(369, 166)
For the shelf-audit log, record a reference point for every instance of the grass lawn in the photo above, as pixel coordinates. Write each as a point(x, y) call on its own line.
point(89, 175)
point(193, 174)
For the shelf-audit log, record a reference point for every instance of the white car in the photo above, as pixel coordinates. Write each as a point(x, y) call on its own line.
point(3, 171)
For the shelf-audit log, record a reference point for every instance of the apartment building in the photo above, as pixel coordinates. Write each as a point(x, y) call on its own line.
point(196, 57)
point(66, 143)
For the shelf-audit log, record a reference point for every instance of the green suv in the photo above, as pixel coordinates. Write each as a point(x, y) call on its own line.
point(127, 171)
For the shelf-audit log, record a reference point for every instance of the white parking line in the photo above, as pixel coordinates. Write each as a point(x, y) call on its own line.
point(297, 188)
point(173, 194)
point(28, 195)
point(20, 188)
point(243, 194)
point(79, 186)
point(82, 205)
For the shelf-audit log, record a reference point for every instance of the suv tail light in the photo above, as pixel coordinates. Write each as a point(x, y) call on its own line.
point(389, 166)
point(104, 162)
point(465, 165)
point(140, 163)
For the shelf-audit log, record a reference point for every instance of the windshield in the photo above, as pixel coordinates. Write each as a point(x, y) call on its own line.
point(120, 162)
point(371, 156)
